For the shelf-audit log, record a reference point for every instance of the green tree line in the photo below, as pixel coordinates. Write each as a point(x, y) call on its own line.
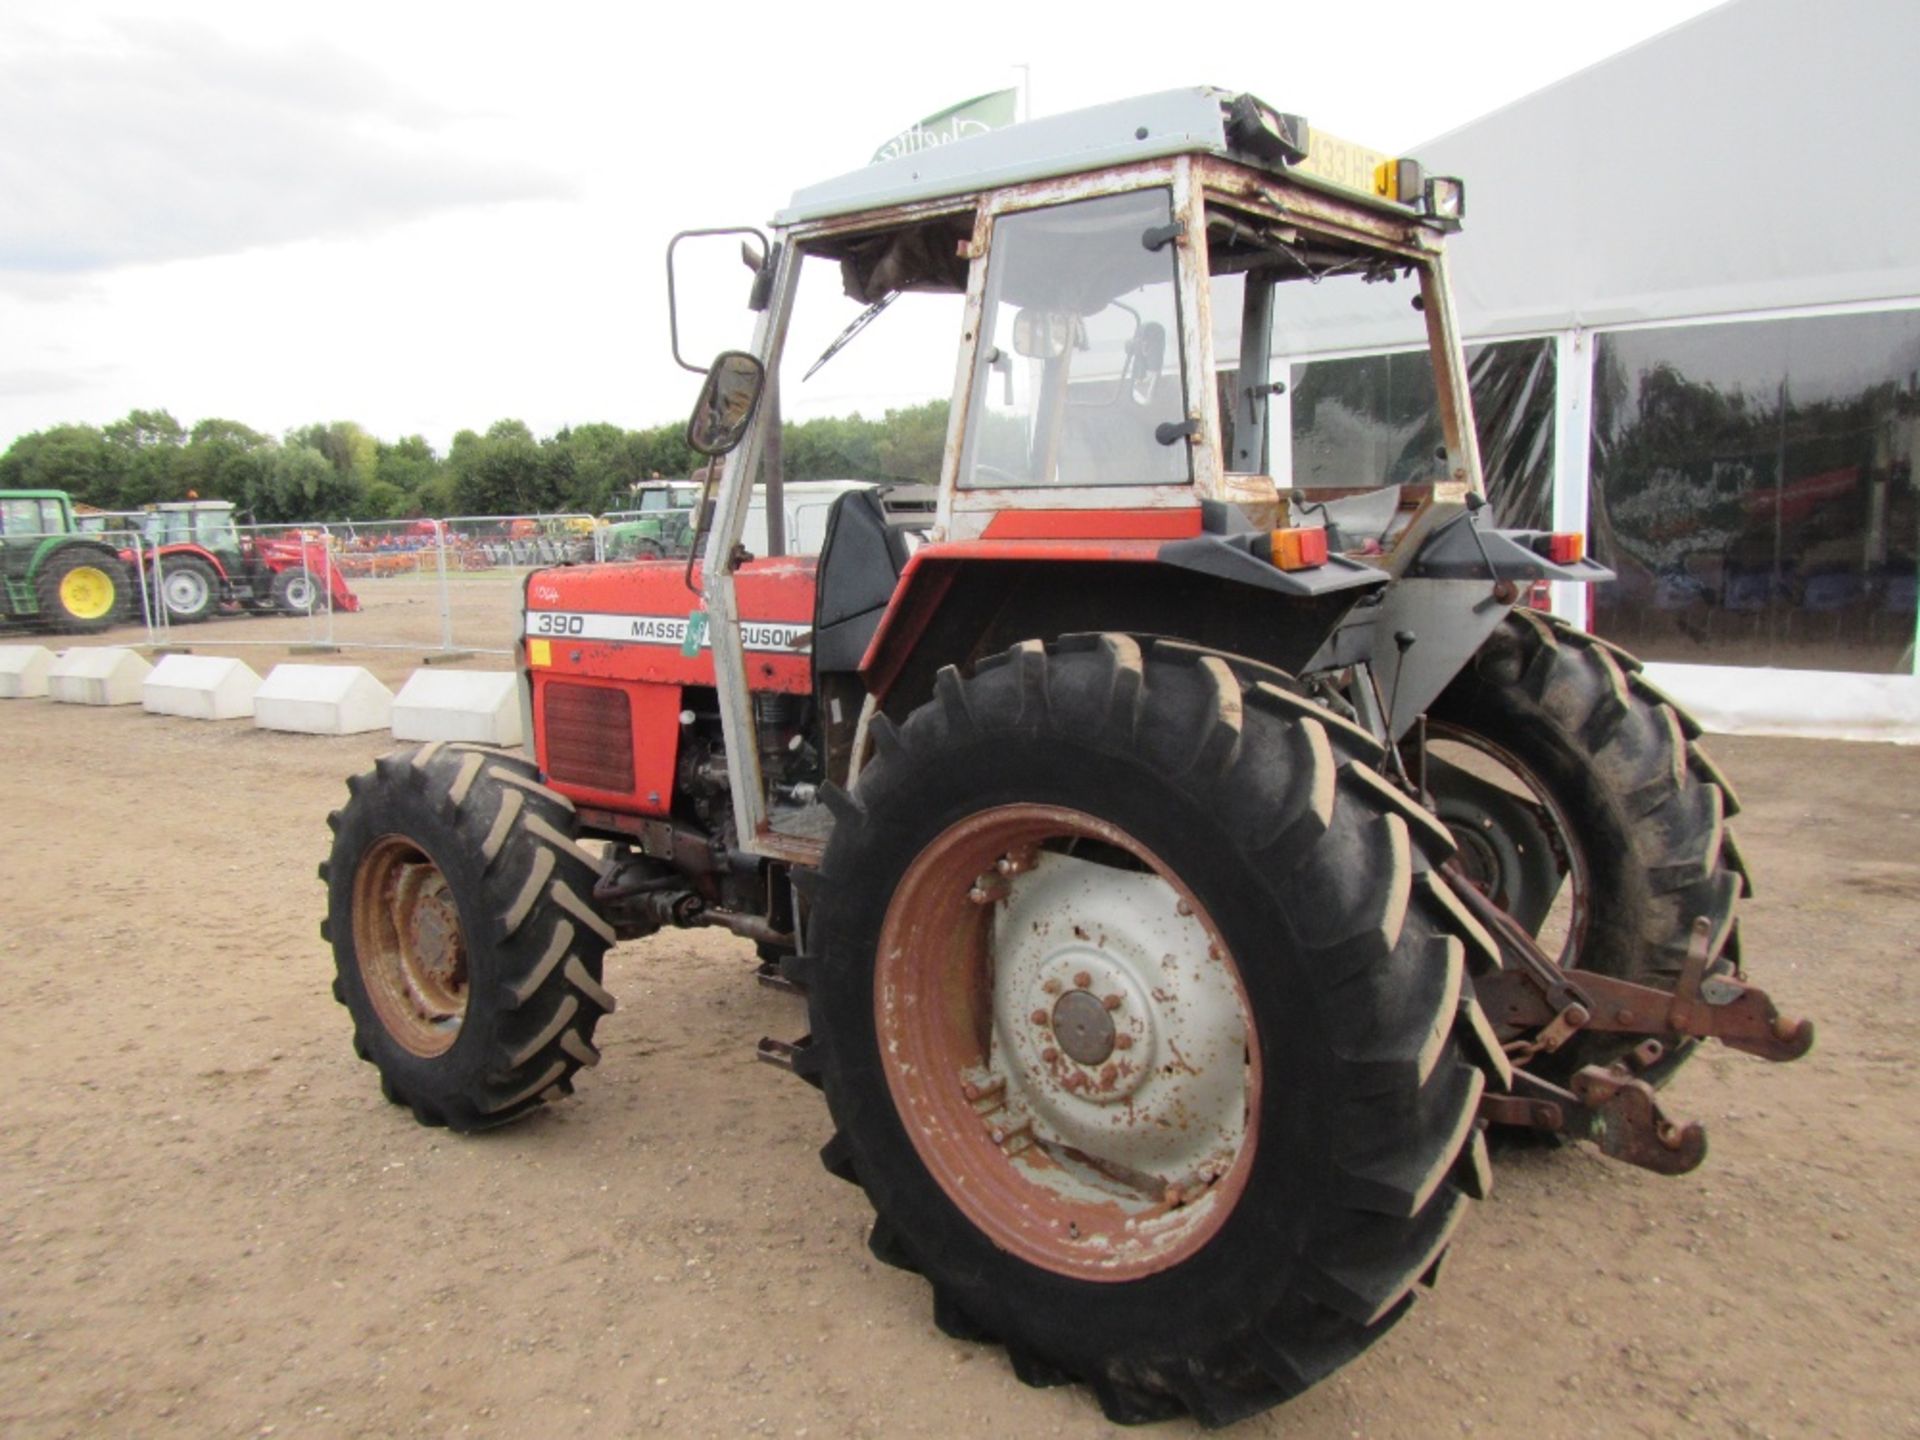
point(338, 471)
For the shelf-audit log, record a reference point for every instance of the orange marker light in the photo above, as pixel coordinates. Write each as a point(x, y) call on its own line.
point(1566, 548)
point(1299, 549)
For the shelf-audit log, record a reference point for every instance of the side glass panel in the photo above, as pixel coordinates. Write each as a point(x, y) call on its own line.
point(1753, 488)
point(1079, 364)
point(866, 374)
point(1372, 420)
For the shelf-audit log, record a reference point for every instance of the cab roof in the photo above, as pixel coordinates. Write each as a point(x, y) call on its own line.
point(1147, 127)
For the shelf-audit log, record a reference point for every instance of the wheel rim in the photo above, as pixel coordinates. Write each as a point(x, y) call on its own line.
point(1481, 861)
point(185, 590)
point(86, 592)
point(1067, 1042)
point(300, 593)
point(409, 946)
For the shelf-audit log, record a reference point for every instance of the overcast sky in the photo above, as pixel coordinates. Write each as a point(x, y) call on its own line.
point(427, 218)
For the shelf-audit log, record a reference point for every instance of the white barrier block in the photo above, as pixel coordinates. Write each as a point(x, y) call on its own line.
point(322, 700)
point(478, 705)
point(23, 671)
point(200, 687)
point(97, 675)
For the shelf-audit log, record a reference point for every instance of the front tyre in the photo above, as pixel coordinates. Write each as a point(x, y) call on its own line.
point(1140, 1010)
point(466, 946)
point(296, 592)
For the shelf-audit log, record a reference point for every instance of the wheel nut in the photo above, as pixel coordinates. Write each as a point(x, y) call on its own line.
point(1049, 1055)
point(1039, 1017)
point(1123, 1041)
point(1112, 1002)
point(1052, 987)
point(1083, 979)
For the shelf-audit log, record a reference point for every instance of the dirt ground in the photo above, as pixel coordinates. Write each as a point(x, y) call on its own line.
point(211, 1224)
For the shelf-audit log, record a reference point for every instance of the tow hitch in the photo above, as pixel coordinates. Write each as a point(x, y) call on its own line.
point(1543, 1006)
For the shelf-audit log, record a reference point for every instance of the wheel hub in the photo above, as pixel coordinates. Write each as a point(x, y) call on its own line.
point(86, 592)
point(1112, 1029)
point(1084, 1027)
point(185, 590)
point(409, 946)
point(1065, 1035)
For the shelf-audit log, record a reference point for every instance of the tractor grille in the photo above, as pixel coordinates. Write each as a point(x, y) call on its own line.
point(589, 735)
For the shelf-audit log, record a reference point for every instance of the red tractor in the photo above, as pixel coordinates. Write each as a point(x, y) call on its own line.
point(197, 562)
point(1182, 869)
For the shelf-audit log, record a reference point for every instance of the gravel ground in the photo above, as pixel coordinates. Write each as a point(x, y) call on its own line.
point(212, 1225)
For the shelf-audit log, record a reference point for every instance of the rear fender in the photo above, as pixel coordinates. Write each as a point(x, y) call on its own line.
point(197, 552)
point(958, 603)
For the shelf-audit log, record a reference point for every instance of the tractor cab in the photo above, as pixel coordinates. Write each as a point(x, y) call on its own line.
point(1069, 292)
point(205, 524)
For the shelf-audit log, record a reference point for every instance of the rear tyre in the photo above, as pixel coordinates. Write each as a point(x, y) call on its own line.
point(1140, 1011)
point(1632, 804)
point(466, 945)
point(83, 591)
point(187, 587)
point(296, 592)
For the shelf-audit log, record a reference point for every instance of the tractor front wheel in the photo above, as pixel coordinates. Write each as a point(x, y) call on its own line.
point(467, 948)
point(296, 592)
point(1140, 1010)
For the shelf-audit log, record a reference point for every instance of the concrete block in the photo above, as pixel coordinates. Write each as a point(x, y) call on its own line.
point(23, 671)
point(97, 675)
point(322, 700)
point(478, 705)
point(200, 687)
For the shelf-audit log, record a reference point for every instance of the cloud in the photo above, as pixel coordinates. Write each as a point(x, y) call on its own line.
point(40, 382)
point(153, 141)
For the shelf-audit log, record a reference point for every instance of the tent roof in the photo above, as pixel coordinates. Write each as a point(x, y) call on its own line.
point(1746, 160)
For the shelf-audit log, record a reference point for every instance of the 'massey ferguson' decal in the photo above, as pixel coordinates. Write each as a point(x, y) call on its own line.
point(777, 635)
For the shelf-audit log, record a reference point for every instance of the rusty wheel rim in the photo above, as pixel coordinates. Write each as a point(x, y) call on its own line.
point(411, 951)
point(1563, 932)
point(1068, 1043)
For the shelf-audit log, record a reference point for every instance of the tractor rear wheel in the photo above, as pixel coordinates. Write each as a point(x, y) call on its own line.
point(188, 587)
point(1140, 1010)
point(1585, 809)
point(82, 591)
point(467, 948)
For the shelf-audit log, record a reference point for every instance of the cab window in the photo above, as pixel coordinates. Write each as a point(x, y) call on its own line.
point(1078, 377)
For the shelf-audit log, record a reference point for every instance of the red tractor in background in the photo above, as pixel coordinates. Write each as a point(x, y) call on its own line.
point(197, 562)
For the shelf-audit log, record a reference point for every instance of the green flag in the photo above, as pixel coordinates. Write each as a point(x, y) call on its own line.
point(956, 122)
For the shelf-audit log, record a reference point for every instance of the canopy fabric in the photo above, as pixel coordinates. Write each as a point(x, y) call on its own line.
point(1747, 160)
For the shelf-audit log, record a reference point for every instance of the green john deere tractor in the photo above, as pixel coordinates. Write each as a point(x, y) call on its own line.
point(51, 576)
point(662, 524)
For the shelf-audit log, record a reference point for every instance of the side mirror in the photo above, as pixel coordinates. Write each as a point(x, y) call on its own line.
point(726, 404)
point(1042, 334)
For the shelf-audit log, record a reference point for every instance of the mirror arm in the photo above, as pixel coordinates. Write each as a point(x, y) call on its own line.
point(673, 302)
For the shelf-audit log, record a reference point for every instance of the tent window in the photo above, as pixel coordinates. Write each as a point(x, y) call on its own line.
point(1753, 487)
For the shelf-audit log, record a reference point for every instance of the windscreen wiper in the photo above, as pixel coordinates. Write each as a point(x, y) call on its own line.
point(860, 322)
